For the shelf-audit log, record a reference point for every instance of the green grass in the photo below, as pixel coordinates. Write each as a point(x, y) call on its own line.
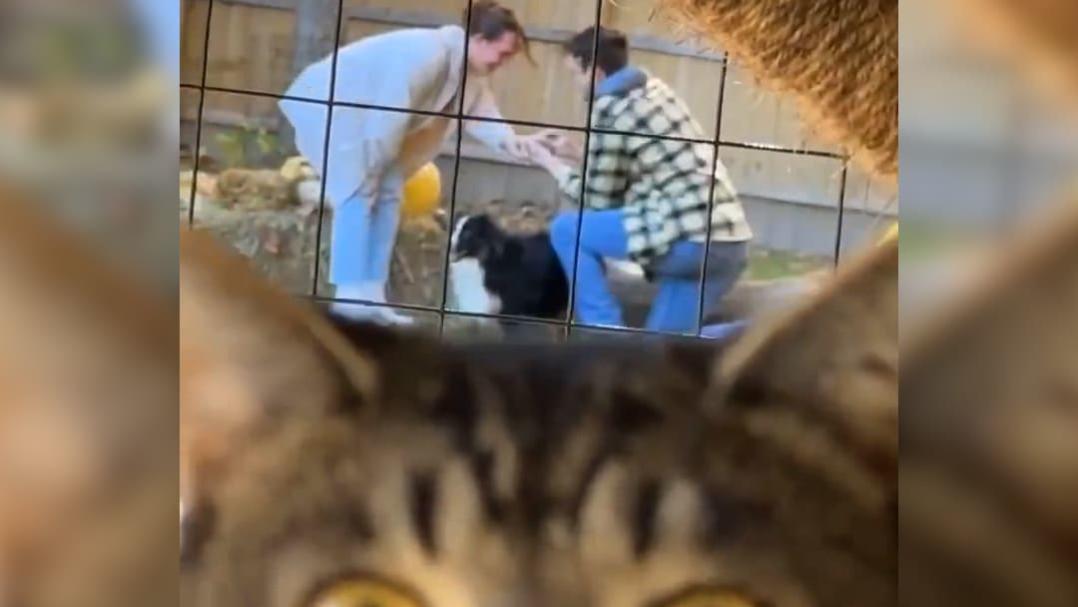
point(767, 264)
point(924, 239)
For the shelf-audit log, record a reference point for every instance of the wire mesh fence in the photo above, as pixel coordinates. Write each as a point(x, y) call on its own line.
point(436, 310)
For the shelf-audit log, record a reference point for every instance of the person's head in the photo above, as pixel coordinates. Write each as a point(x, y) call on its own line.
point(496, 36)
point(580, 52)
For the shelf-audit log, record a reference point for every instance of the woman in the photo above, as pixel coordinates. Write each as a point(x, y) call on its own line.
point(373, 152)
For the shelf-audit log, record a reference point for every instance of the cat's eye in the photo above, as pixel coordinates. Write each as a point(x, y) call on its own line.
point(364, 592)
point(709, 597)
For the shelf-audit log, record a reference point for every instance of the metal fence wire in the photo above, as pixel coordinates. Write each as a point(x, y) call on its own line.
point(567, 325)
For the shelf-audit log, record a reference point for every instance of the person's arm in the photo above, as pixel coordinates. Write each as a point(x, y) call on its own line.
point(495, 135)
point(607, 170)
point(561, 145)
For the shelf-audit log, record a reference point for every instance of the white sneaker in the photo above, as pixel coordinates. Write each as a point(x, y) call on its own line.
point(373, 292)
point(360, 291)
point(376, 292)
point(354, 311)
point(389, 316)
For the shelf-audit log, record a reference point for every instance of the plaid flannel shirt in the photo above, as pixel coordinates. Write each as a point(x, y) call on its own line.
point(662, 185)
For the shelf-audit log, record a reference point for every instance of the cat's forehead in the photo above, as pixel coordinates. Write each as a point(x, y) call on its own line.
point(662, 464)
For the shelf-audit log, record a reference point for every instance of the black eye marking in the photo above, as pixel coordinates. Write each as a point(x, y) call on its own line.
point(424, 501)
point(645, 508)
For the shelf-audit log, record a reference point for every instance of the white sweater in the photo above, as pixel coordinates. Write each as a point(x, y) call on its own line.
point(419, 69)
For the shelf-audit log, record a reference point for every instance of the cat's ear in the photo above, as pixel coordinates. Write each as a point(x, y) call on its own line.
point(250, 357)
point(834, 360)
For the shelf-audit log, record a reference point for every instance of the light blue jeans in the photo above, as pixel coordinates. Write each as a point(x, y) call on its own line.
point(364, 233)
point(676, 308)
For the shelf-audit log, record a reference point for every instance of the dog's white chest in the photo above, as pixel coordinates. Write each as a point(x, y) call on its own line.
point(466, 280)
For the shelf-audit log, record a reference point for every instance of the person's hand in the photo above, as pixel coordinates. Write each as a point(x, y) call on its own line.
point(522, 148)
point(557, 143)
point(551, 139)
point(544, 158)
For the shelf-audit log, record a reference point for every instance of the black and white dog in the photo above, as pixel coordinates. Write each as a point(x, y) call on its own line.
point(493, 272)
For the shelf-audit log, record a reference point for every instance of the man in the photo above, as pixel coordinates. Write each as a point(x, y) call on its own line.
point(646, 198)
point(373, 152)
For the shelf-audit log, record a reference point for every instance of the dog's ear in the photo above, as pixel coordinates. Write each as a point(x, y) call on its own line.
point(251, 358)
point(491, 237)
point(481, 225)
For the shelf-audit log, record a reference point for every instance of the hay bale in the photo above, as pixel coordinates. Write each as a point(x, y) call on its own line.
point(252, 189)
point(281, 244)
point(415, 276)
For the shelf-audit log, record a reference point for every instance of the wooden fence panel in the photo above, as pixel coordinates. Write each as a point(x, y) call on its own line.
point(251, 45)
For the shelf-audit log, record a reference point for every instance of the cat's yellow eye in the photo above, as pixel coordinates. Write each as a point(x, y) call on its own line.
point(364, 592)
point(708, 597)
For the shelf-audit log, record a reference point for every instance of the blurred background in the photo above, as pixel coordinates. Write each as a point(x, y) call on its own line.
point(88, 114)
point(989, 149)
point(984, 145)
point(88, 355)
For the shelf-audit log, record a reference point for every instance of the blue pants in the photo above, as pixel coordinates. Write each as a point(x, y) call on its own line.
point(364, 233)
point(676, 308)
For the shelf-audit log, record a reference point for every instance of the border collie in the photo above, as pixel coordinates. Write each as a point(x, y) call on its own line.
point(493, 272)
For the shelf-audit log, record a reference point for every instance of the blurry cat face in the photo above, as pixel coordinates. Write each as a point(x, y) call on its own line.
point(339, 465)
point(402, 516)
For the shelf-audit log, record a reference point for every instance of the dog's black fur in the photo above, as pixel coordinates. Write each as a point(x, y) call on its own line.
point(522, 271)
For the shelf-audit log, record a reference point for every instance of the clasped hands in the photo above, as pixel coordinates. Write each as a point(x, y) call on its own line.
point(546, 148)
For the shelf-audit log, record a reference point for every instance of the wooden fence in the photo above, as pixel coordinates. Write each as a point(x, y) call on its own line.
point(251, 46)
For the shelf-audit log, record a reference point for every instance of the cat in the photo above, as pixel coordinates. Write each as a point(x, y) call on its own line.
point(88, 431)
point(989, 426)
point(371, 467)
point(329, 463)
